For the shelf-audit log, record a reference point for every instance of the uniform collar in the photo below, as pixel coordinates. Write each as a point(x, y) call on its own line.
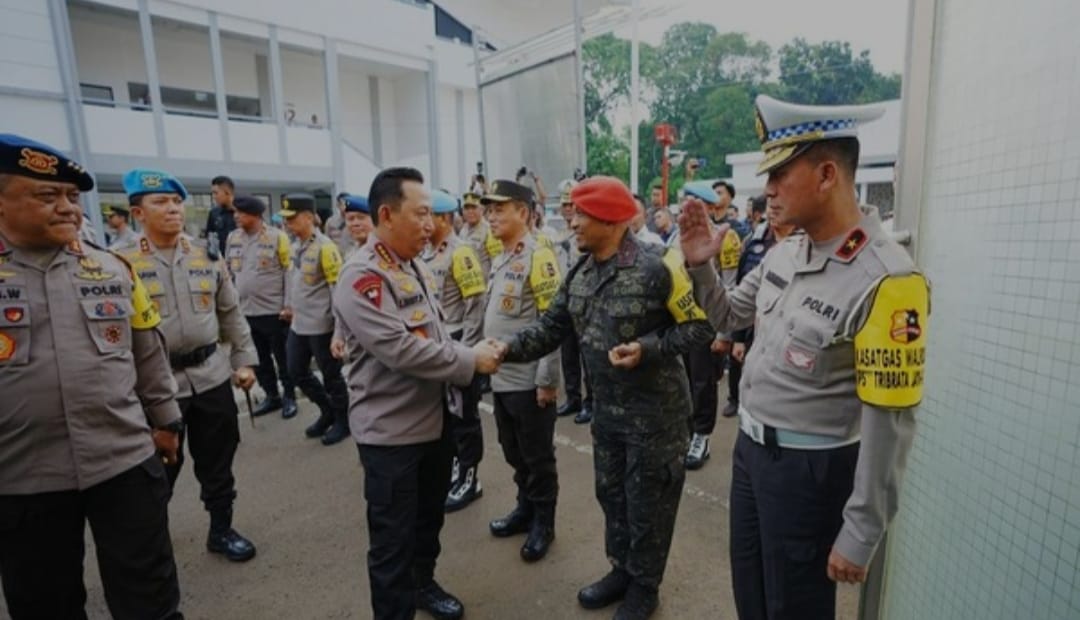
point(812, 257)
point(388, 260)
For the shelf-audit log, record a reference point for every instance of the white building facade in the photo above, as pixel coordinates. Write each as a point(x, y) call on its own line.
point(279, 96)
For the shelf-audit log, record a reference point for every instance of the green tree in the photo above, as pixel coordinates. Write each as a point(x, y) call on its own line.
point(829, 73)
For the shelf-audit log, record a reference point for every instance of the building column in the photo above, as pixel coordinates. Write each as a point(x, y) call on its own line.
point(153, 81)
point(80, 142)
point(277, 93)
point(376, 121)
point(333, 113)
point(459, 105)
point(433, 122)
point(219, 86)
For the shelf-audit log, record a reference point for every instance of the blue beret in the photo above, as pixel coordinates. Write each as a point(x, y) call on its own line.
point(441, 202)
point(702, 190)
point(358, 204)
point(145, 181)
point(24, 157)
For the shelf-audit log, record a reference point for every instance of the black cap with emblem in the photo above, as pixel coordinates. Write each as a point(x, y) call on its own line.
point(249, 204)
point(25, 157)
point(292, 204)
point(502, 190)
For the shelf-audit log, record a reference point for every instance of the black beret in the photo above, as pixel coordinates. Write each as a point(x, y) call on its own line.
point(24, 157)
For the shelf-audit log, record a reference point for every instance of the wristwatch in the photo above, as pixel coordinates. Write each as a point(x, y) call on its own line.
point(173, 427)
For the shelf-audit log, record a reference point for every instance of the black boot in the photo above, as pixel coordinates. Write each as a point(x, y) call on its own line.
point(640, 603)
point(325, 421)
point(225, 540)
point(438, 602)
point(339, 430)
point(288, 407)
point(570, 408)
point(268, 405)
point(464, 490)
point(517, 522)
point(611, 588)
point(584, 416)
point(541, 533)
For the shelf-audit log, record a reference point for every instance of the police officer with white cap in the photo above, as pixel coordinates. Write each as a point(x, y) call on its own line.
point(830, 387)
point(85, 377)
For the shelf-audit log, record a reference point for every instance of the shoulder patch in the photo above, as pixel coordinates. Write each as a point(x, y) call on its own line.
point(465, 266)
point(369, 287)
point(730, 250)
point(680, 301)
point(855, 242)
point(544, 277)
point(330, 260)
point(890, 347)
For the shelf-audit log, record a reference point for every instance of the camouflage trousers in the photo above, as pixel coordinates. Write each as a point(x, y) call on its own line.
point(639, 482)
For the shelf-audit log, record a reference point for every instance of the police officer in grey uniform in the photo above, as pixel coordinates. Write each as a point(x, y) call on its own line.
point(524, 279)
point(460, 290)
point(85, 378)
point(336, 227)
point(402, 374)
point(200, 311)
point(119, 220)
point(829, 388)
point(259, 259)
point(315, 266)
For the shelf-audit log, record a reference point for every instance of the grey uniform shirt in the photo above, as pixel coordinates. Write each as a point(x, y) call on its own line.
point(315, 266)
point(477, 237)
point(122, 239)
point(198, 305)
point(402, 359)
point(459, 287)
point(82, 370)
point(522, 285)
point(338, 232)
point(800, 373)
point(260, 264)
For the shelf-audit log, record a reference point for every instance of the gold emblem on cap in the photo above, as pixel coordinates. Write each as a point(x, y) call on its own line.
point(759, 125)
point(284, 203)
point(151, 180)
point(38, 162)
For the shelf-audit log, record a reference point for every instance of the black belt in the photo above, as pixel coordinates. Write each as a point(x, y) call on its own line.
point(180, 361)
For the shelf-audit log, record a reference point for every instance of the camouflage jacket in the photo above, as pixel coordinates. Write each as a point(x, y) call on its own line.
point(639, 295)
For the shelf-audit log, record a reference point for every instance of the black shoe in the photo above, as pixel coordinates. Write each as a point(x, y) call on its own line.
point(269, 404)
point(288, 407)
point(584, 416)
point(731, 409)
point(539, 541)
point(608, 590)
point(569, 408)
point(319, 428)
point(438, 602)
point(639, 604)
point(339, 431)
point(232, 545)
point(464, 491)
point(517, 522)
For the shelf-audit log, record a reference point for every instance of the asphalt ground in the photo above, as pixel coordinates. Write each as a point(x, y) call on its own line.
point(302, 504)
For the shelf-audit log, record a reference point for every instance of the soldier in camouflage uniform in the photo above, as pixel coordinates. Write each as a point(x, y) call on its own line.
point(635, 313)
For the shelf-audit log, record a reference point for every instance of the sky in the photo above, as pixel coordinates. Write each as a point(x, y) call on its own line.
point(877, 25)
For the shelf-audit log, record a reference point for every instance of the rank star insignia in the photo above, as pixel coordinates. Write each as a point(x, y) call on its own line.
point(855, 241)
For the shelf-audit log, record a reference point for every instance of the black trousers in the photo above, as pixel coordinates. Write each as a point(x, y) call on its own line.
point(704, 368)
point(212, 433)
point(467, 431)
point(334, 397)
point(572, 371)
point(42, 548)
point(405, 488)
point(527, 437)
point(786, 511)
point(270, 334)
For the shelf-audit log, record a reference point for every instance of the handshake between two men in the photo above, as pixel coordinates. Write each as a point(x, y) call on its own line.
point(491, 352)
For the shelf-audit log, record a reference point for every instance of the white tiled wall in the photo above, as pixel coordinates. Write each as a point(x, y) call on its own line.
point(990, 519)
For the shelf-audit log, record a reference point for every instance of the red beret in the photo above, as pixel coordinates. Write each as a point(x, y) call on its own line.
point(604, 198)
